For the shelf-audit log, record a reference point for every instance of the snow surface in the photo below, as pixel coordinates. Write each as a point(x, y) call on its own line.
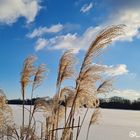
point(112, 125)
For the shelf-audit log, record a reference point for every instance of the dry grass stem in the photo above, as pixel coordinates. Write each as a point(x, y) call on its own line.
point(90, 82)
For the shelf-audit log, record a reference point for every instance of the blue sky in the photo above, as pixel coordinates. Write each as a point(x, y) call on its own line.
point(46, 28)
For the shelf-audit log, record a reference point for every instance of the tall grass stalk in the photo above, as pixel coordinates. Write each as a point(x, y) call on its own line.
point(84, 93)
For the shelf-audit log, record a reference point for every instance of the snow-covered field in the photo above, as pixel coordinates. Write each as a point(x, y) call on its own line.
point(112, 124)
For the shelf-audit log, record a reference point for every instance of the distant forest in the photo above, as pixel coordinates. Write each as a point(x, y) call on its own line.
point(120, 103)
point(112, 103)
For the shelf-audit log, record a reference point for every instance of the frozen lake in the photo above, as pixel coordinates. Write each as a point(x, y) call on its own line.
point(112, 125)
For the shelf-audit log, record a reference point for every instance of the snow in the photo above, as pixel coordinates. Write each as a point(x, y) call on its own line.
point(112, 125)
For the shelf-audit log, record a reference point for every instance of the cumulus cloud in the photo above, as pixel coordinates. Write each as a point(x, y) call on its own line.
point(83, 41)
point(43, 30)
point(116, 70)
point(127, 94)
point(131, 18)
point(40, 44)
point(11, 10)
point(73, 41)
point(87, 7)
point(112, 70)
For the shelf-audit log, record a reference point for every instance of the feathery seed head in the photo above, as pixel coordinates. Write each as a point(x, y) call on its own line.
point(28, 70)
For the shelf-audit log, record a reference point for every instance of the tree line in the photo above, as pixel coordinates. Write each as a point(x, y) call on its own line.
point(112, 103)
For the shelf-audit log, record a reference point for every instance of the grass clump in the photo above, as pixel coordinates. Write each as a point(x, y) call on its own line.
point(83, 94)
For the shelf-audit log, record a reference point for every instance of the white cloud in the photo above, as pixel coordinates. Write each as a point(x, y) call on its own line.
point(73, 41)
point(11, 10)
point(81, 42)
point(43, 30)
point(128, 16)
point(112, 70)
point(131, 18)
point(40, 44)
point(127, 94)
point(117, 70)
point(87, 7)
